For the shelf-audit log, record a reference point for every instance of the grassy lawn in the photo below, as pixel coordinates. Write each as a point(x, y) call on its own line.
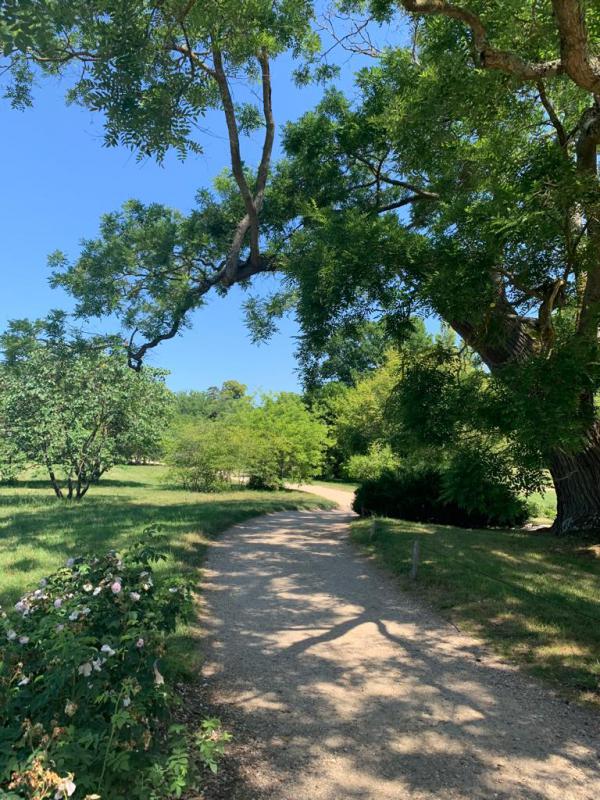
point(38, 533)
point(535, 598)
point(344, 486)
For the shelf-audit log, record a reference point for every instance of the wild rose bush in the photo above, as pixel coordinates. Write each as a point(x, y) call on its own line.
point(84, 708)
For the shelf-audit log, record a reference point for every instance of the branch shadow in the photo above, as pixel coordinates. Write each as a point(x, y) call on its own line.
point(357, 692)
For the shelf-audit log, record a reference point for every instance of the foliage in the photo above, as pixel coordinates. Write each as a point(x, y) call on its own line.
point(482, 483)
point(372, 465)
point(454, 185)
point(431, 494)
point(206, 455)
point(273, 441)
point(75, 408)
point(155, 70)
point(285, 442)
point(212, 403)
point(83, 700)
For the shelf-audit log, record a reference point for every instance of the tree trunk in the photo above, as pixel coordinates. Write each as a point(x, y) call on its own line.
point(55, 484)
point(576, 479)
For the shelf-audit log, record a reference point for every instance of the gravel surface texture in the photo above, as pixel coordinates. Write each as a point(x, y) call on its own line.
point(337, 686)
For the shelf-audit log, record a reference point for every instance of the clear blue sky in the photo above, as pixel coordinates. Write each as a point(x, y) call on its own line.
point(58, 179)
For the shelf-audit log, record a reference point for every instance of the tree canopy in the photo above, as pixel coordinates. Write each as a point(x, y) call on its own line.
point(460, 180)
point(74, 408)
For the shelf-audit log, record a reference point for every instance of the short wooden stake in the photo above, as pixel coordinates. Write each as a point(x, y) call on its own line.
point(415, 560)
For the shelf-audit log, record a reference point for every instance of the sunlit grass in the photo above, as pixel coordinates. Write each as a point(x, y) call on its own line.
point(534, 597)
point(38, 533)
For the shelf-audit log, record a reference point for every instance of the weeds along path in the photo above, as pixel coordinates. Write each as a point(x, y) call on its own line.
point(340, 687)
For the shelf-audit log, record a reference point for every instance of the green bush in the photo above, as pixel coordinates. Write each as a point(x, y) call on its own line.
point(84, 708)
point(479, 481)
point(420, 494)
point(371, 466)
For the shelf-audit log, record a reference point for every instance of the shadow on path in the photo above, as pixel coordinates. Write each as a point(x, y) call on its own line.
point(352, 690)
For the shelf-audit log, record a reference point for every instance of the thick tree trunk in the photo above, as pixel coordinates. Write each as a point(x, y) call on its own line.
point(576, 479)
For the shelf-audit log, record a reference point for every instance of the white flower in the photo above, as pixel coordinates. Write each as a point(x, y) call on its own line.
point(58, 602)
point(23, 639)
point(140, 643)
point(21, 607)
point(74, 615)
point(60, 628)
point(64, 789)
point(86, 611)
point(43, 583)
point(70, 562)
point(97, 591)
point(126, 701)
point(70, 708)
point(106, 648)
point(38, 593)
point(24, 681)
point(97, 664)
point(10, 635)
point(85, 669)
point(87, 587)
point(116, 587)
point(173, 589)
point(135, 596)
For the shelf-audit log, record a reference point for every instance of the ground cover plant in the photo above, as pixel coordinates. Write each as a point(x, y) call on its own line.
point(535, 598)
point(84, 704)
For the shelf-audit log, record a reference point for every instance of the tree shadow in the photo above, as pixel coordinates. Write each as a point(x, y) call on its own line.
point(358, 692)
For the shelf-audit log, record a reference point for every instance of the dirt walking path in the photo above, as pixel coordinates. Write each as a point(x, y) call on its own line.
point(340, 687)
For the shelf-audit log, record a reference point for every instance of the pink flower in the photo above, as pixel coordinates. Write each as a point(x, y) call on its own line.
point(116, 587)
point(139, 644)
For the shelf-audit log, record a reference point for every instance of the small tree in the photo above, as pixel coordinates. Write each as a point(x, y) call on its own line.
point(74, 407)
point(286, 441)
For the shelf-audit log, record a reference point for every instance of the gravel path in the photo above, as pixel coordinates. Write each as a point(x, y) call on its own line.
point(340, 687)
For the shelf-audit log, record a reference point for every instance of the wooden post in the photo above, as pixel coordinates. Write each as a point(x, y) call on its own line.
point(415, 560)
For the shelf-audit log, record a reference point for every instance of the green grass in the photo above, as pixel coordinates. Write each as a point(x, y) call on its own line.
point(344, 486)
point(38, 533)
point(534, 597)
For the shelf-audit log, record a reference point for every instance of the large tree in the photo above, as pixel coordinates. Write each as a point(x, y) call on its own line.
point(464, 182)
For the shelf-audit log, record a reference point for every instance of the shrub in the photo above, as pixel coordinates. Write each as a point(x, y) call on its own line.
point(84, 707)
point(371, 466)
point(479, 481)
point(419, 494)
point(205, 456)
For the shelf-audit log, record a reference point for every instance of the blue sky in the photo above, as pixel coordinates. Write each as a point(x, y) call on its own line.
point(58, 179)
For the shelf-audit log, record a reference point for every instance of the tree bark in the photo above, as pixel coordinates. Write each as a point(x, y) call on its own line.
point(55, 484)
point(576, 479)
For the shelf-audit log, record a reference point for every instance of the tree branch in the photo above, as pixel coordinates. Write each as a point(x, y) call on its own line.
point(487, 56)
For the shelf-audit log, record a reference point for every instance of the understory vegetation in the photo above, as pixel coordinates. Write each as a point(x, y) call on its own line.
point(534, 597)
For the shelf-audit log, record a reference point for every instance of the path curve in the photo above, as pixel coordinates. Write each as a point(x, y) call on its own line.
point(341, 687)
